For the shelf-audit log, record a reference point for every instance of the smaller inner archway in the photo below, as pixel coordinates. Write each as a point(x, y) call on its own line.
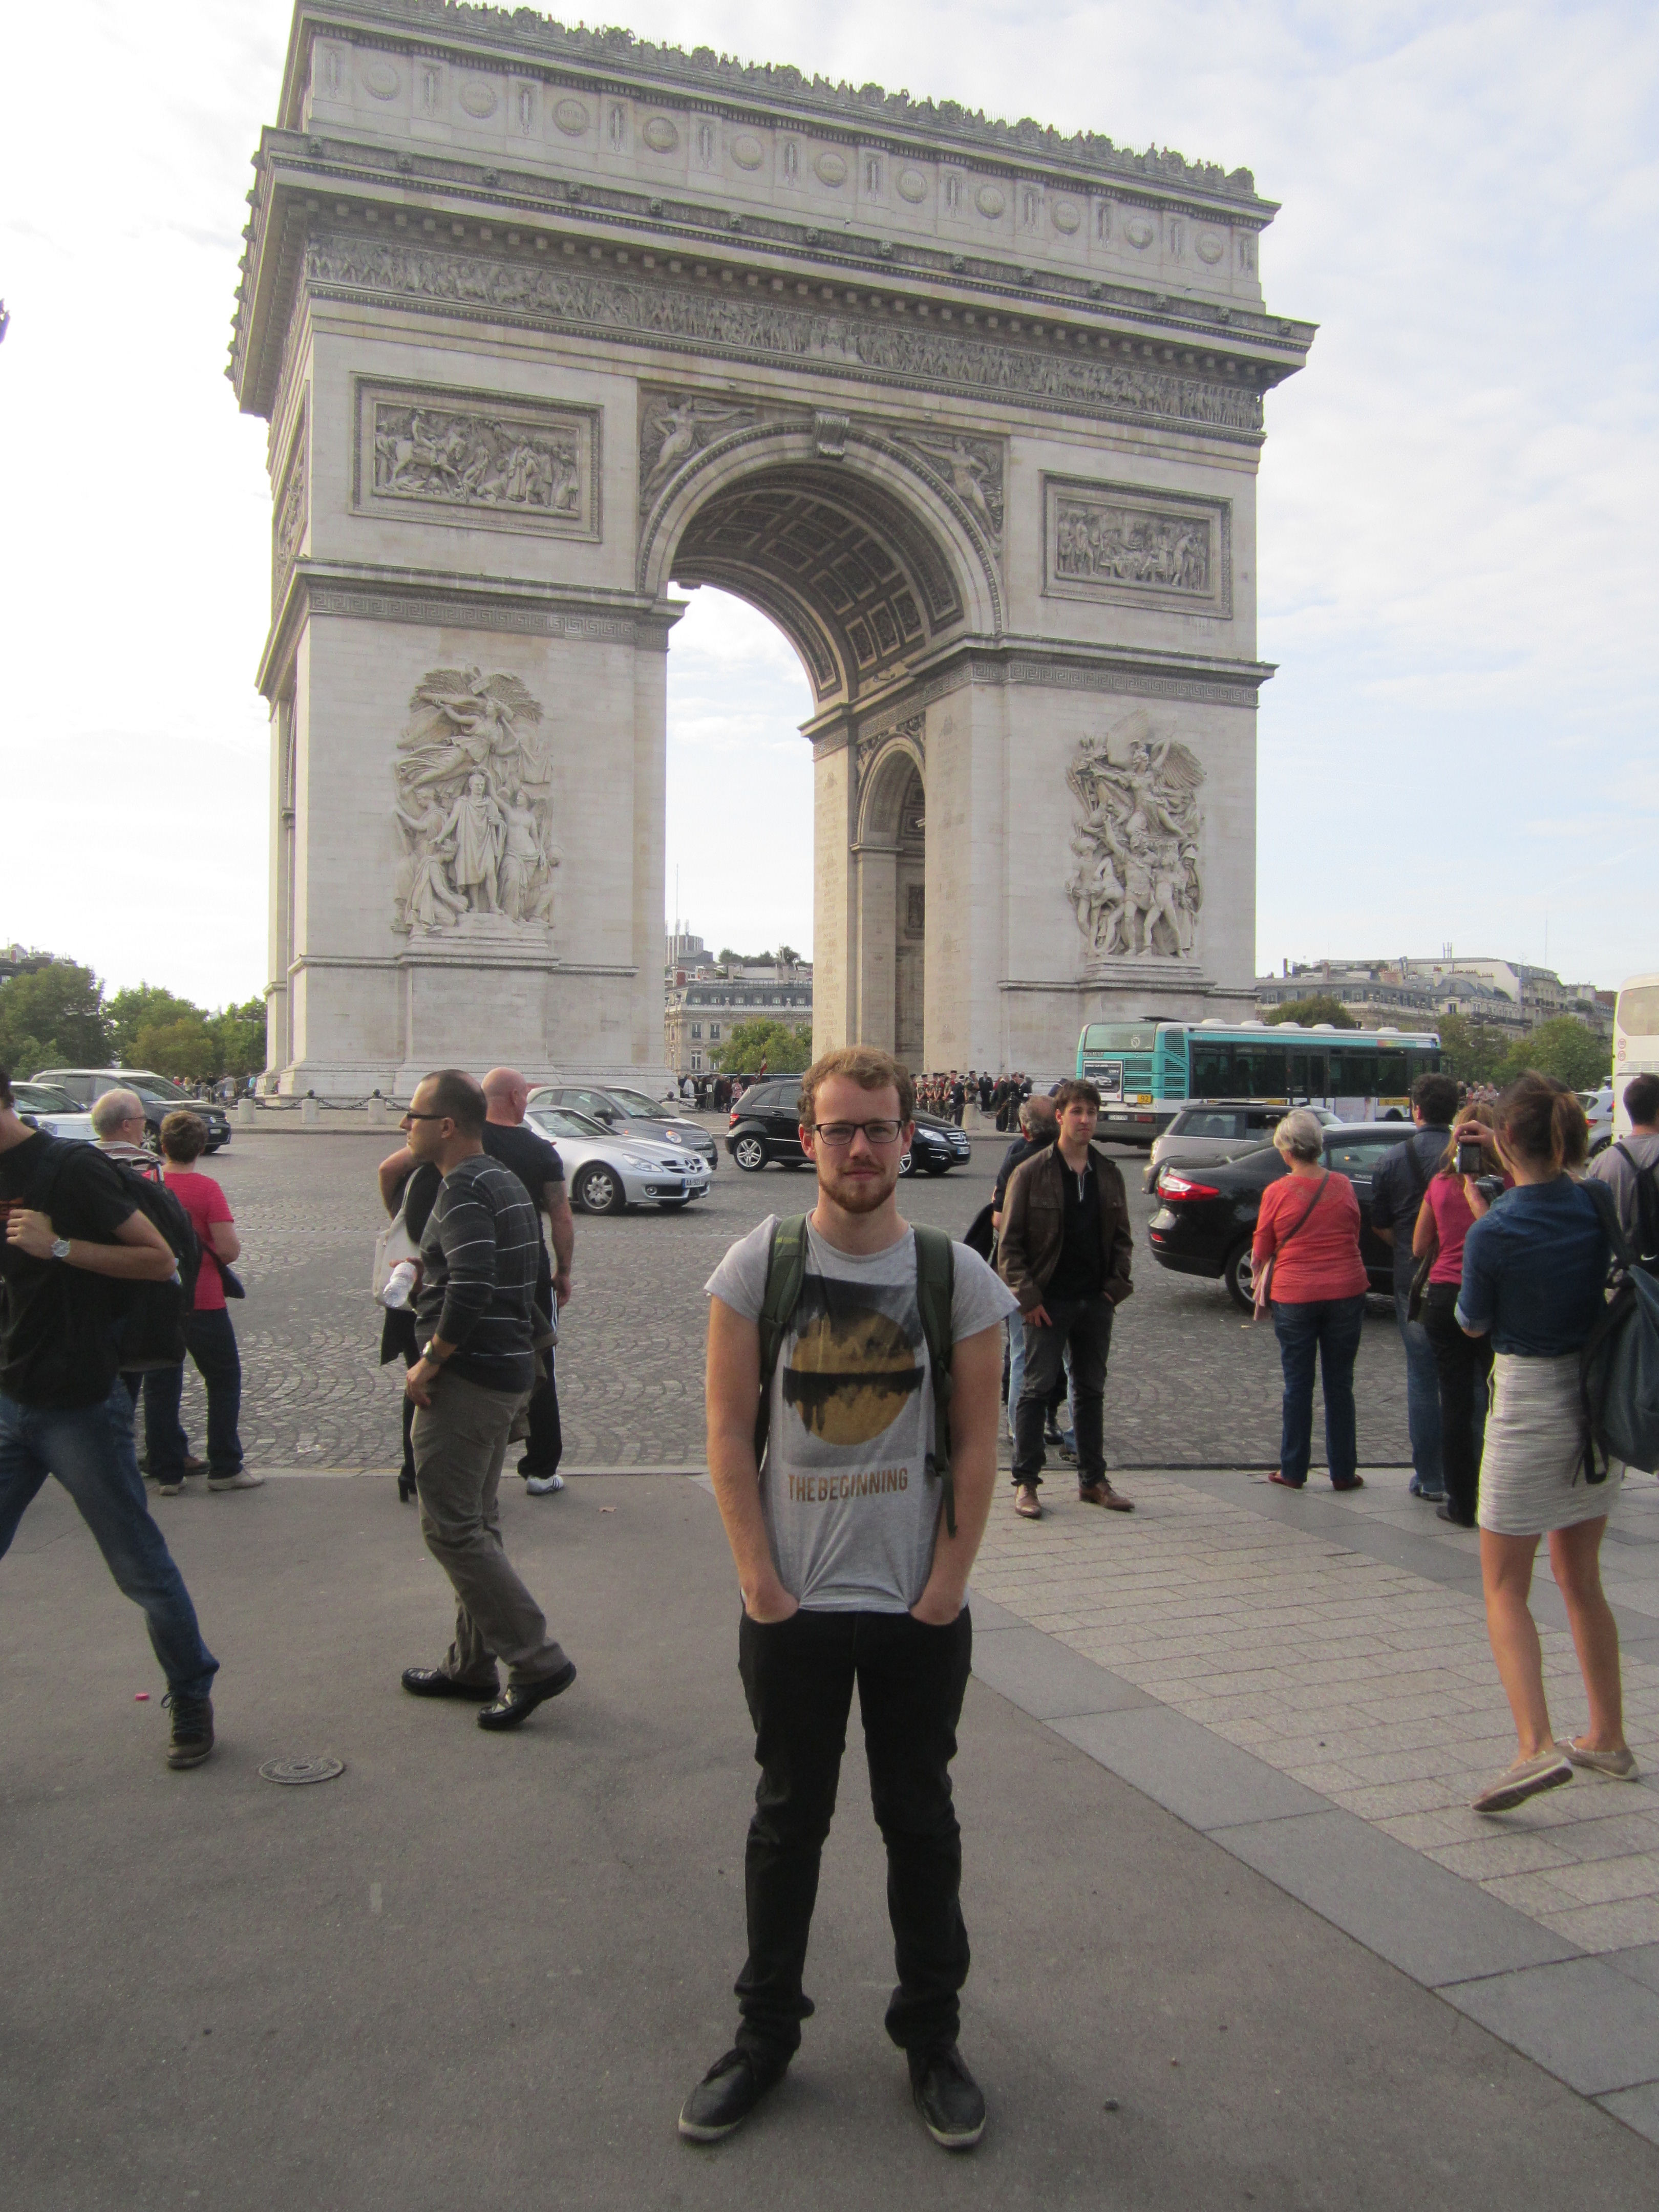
point(890, 857)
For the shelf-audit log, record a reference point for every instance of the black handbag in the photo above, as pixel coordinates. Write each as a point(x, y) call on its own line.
point(232, 1282)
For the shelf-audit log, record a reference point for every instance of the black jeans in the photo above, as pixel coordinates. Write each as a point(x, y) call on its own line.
point(544, 1445)
point(1328, 1330)
point(210, 1338)
point(798, 1676)
point(1465, 1369)
point(1082, 1326)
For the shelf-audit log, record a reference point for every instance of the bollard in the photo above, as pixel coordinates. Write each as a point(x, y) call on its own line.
point(377, 1112)
point(310, 1112)
point(247, 1113)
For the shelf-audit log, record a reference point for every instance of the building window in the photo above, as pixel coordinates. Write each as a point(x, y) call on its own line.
point(696, 1063)
point(714, 1032)
point(696, 1029)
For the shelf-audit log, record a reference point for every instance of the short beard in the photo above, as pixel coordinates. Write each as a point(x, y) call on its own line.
point(857, 1194)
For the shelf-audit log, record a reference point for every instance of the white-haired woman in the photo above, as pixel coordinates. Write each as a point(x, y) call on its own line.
point(1308, 1268)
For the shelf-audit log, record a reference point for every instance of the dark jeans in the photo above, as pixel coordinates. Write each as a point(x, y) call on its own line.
point(1082, 1327)
point(1327, 1330)
point(210, 1340)
point(90, 1451)
point(798, 1676)
point(1465, 1368)
point(1422, 1380)
point(545, 1446)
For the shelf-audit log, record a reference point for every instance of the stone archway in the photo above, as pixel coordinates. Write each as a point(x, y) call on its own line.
point(544, 322)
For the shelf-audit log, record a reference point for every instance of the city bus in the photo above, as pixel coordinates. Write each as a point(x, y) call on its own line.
point(1146, 1071)
point(1635, 1041)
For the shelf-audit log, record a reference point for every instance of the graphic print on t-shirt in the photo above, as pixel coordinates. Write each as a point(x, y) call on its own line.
point(850, 1367)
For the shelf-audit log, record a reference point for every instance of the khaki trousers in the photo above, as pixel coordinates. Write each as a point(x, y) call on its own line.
point(459, 1442)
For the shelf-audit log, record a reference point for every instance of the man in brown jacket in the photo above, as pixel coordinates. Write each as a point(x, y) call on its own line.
point(1064, 1251)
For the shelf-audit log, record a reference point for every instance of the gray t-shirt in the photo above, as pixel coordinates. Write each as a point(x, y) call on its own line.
point(849, 1510)
point(1613, 1169)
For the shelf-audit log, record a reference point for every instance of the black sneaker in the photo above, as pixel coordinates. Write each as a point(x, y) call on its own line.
point(947, 2097)
point(726, 2095)
point(192, 1729)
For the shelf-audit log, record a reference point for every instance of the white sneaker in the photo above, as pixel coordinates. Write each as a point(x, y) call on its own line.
point(542, 1486)
point(240, 1480)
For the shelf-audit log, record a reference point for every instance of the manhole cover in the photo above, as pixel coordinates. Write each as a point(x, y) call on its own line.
point(293, 1770)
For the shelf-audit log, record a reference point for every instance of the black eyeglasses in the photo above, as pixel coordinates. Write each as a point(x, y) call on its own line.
point(839, 1134)
point(411, 1115)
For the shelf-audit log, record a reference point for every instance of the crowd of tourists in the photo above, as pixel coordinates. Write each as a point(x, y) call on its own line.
point(855, 1388)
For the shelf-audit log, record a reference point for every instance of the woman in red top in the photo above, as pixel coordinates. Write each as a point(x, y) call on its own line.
point(209, 1335)
point(1309, 1228)
point(1464, 1362)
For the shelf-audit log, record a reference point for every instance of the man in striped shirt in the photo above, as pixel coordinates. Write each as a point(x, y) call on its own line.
point(474, 1376)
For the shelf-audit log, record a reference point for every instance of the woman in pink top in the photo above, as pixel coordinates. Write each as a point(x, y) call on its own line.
point(1309, 1228)
point(1464, 1362)
point(210, 1338)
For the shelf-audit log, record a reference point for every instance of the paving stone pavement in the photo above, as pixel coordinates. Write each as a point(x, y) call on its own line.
point(1190, 1380)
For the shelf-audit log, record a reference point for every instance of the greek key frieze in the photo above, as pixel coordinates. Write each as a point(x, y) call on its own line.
point(676, 316)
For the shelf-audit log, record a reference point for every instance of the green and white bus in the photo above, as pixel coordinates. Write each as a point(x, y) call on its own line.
point(1146, 1072)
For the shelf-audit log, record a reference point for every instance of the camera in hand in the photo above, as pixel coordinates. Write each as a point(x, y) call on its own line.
point(1491, 1187)
point(1471, 1156)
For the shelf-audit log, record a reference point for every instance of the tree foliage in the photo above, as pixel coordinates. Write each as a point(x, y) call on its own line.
point(1565, 1047)
point(143, 1007)
point(1318, 1006)
point(52, 1016)
point(787, 1048)
point(1475, 1052)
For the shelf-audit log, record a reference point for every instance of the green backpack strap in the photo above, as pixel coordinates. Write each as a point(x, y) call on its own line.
point(936, 1270)
point(786, 1271)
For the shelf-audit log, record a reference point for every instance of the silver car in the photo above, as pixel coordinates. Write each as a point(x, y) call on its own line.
point(1214, 1129)
point(631, 1114)
point(608, 1171)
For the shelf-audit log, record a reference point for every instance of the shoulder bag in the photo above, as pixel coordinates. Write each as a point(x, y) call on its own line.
point(1265, 1279)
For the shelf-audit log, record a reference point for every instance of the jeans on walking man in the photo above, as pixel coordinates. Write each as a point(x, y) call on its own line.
point(474, 1316)
point(1039, 1125)
point(536, 1162)
point(1397, 1193)
point(68, 1232)
point(1064, 1252)
point(852, 1538)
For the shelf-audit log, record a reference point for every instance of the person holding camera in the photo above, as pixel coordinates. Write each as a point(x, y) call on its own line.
point(1470, 1164)
point(1305, 1253)
point(1535, 1281)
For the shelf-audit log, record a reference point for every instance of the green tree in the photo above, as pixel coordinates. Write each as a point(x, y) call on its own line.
point(1567, 1048)
point(1319, 1006)
point(52, 1017)
point(239, 1039)
point(183, 1050)
point(787, 1048)
point(1475, 1052)
point(144, 1006)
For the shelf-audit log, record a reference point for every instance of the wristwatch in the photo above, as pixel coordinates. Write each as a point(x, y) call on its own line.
point(427, 1352)
point(60, 1247)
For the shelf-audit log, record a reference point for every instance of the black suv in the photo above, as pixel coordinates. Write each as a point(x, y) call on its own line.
point(159, 1096)
point(1205, 1221)
point(766, 1125)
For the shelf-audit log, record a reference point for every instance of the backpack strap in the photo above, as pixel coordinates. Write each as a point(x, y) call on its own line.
point(786, 1272)
point(936, 1269)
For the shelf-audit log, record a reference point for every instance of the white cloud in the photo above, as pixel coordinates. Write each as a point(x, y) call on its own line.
point(1454, 535)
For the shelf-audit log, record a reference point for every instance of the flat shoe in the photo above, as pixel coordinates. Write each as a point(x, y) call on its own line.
point(1445, 1513)
point(726, 2095)
point(519, 1700)
point(1102, 1493)
point(1027, 1504)
point(1617, 1766)
point(1526, 1778)
point(1359, 1483)
point(1284, 1482)
point(433, 1682)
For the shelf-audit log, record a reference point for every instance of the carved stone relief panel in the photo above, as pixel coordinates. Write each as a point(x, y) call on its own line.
point(1138, 548)
point(1137, 886)
point(675, 427)
point(290, 510)
point(472, 781)
point(475, 460)
point(973, 467)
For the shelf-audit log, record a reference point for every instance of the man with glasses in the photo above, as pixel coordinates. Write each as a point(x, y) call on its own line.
point(852, 1568)
point(474, 1321)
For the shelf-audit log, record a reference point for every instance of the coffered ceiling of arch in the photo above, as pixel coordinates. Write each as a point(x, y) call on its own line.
point(845, 574)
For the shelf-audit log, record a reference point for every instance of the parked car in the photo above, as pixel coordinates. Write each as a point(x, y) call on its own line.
point(1598, 1112)
point(630, 1114)
point(161, 1097)
point(1213, 1129)
point(765, 1126)
point(607, 1171)
point(52, 1110)
point(1207, 1217)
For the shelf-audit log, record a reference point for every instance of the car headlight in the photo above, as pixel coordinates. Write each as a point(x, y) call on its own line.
point(637, 1162)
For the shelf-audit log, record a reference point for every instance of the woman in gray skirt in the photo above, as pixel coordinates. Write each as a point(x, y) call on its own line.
point(1535, 1278)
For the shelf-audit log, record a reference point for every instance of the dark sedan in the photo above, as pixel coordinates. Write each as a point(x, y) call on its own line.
point(1207, 1217)
point(765, 1126)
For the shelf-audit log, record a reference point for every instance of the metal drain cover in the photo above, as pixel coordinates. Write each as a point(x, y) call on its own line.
point(294, 1771)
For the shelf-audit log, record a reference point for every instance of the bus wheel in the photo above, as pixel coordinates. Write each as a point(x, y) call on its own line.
point(1239, 1276)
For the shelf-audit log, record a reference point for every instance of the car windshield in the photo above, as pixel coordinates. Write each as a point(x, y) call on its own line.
point(44, 1098)
point(637, 1106)
point(565, 1122)
point(157, 1086)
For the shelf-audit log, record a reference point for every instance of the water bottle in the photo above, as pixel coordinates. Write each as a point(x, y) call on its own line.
point(400, 1286)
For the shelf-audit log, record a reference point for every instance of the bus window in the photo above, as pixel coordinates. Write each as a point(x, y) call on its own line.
point(1212, 1069)
point(1259, 1069)
point(1638, 1010)
point(1392, 1077)
point(1307, 1071)
point(1353, 1072)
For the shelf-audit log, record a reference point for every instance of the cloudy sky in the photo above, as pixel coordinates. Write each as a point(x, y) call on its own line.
point(1457, 496)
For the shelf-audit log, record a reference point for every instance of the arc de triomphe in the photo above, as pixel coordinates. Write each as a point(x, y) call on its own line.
point(546, 322)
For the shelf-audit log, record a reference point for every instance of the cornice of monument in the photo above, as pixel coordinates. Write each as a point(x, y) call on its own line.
point(875, 115)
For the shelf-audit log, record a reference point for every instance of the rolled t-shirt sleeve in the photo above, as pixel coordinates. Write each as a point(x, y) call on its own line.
point(979, 1298)
point(740, 1281)
point(1475, 1294)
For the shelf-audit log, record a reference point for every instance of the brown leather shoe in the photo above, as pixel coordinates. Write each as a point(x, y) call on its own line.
point(1027, 1504)
point(1102, 1493)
